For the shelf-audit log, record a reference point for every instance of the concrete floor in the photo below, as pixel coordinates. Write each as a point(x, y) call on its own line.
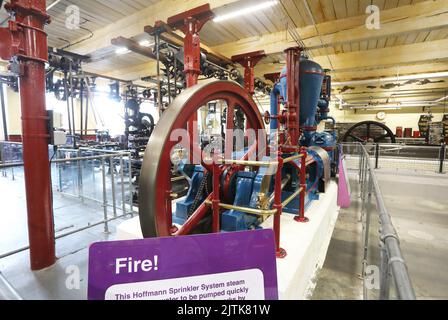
point(419, 208)
point(418, 204)
point(339, 279)
point(72, 251)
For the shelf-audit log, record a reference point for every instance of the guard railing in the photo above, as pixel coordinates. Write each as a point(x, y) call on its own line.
point(93, 178)
point(384, 271)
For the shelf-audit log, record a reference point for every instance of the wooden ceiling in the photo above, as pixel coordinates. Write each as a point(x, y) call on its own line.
point(413, 38)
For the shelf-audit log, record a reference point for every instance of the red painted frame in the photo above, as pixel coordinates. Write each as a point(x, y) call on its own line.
point(249, 61)
point(26, 40)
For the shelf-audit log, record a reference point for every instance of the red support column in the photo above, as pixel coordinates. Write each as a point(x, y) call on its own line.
point(280, 253)
point(249, 61)
point(192, 50)
point(301, 217)
point(26, 40)
point(273, 77)
point(293, 100)
point(215, 202)
point(191, 23)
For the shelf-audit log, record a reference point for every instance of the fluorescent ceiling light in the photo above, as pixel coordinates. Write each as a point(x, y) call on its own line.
point(146, 43)
point(384, 108)
point(393, 79)
point(121, 51)
point(245, 11)
point(442, 99)
point(52, 5)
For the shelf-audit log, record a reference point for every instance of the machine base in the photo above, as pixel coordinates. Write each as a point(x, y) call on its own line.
point(306, 244)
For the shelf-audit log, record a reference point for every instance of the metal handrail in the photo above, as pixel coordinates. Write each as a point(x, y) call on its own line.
point(392, 262)
point(390, 239)
point(105, 159)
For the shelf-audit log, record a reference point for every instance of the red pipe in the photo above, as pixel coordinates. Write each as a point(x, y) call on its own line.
point(301, 217)
point(195, 218)
point(230, 126)
point(192, 51)
point(191, 23)
point(280, 253)
point(192, 64)
point(249, 61)
point(216, 218)
point(29, 45)
point(293, 107)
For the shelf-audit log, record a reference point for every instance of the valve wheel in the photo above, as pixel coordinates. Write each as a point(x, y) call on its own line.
point(267, 117)
point(155, 190)
point(369, 131)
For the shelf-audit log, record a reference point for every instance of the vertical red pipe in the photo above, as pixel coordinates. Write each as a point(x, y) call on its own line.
point(215, 202)
point(301, 217)
point(192, 67)
point(34, 131)
point(249, 61)
point(280, 253)
point(292, 80)
point(281, 137)
point(192, 52)
point(195, 218)
point(230, 126)
point(37, 167)
point(249, 75)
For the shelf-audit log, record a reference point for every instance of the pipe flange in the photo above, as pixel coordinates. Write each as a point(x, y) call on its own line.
point(389, 235)
point(396, 259)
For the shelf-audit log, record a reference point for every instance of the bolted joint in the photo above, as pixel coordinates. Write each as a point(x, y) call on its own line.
point(16, 67)
point(24, 8)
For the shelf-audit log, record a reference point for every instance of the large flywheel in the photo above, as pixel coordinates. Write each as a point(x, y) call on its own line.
point(155, 191)
point(369, 132)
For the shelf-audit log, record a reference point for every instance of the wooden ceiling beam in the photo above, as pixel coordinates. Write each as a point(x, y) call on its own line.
point(352, 65)
point(387, 71)
point(134, 24)
point(407, 59)
point(391, 57)
point(173, 38)
point(422, 16)
point(430, 51)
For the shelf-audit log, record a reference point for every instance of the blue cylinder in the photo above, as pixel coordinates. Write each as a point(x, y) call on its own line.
point(325, 140)
point(283, 85)
point(311, 79)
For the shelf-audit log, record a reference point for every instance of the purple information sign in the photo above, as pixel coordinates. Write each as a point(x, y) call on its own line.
point(224, 266)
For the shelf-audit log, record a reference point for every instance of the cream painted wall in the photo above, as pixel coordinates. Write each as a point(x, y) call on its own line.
point(406, 118)
point(14, 113)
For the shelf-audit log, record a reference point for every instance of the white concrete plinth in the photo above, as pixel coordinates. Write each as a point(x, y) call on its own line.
point(306, 244)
